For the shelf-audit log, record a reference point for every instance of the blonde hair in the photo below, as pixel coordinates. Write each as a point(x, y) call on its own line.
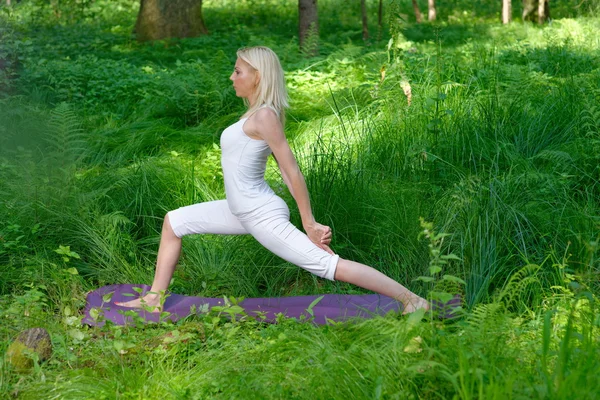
point(271, 90)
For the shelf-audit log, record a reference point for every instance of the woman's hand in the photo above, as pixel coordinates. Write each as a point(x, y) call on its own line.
point(320, 235)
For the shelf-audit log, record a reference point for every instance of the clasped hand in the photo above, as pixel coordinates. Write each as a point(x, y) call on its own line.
point(320, 235)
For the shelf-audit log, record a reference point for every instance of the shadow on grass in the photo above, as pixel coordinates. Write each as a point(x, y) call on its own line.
point(449, 35)
point(559, 61)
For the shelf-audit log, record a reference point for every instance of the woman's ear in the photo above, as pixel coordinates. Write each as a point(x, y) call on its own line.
point(256, 78)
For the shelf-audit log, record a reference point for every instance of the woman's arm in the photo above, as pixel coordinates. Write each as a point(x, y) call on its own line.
point(286, 180)
point(266, 125)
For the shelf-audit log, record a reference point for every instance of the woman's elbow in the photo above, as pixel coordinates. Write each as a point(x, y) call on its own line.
point(295, 175)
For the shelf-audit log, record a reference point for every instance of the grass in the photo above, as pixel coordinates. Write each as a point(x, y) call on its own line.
point(499, 147)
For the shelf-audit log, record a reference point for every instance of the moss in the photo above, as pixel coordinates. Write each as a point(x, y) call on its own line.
point(18, 355)
point(35, 340)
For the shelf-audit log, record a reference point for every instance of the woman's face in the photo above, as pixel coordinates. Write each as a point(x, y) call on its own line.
point(245, 79)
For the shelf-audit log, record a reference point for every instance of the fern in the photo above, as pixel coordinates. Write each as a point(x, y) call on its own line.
point(484, 315)
point(65, 137)
point(517, 284)
point(590, 117)
point(554, 157)
point(311, 43)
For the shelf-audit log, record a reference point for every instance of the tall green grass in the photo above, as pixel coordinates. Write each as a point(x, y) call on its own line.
point(496, 166)
point(490, 354)
point(499, 147)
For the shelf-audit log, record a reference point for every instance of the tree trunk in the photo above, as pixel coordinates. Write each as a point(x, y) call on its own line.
point(417, 11)
point(308, 26)
point(162, 19)
point(543, 11)
point(432, 15)
point(365, 26)
point(380, 19)
point(506, 11)
point(528, 9)
point(536, 10)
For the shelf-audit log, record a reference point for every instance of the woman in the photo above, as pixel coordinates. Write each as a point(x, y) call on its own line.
point(251, 206)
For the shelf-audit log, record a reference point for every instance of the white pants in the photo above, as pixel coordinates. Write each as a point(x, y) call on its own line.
point(269, 224)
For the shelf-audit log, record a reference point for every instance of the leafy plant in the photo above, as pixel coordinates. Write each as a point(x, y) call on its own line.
point(444, 287)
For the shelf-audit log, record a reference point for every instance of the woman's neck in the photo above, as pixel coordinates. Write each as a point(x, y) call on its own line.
point(251, 100)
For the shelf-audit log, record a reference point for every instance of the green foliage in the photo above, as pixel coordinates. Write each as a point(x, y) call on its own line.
point(444, 287)
point(122, 88)
point(66, 253)
point(488, 165)
point(490, 132)
point(27, 309)
point(14, 239)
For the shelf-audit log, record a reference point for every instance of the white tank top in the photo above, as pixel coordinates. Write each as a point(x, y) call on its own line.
point(244, 161)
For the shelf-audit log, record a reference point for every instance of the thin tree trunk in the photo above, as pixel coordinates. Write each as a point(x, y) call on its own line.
point(308, 26)
point(506, 11)
point(380, 19)
point(529, 7)
point(365, 26)
point(543, 11)
point(162, 19)
point(417, 11)
point(432, 14)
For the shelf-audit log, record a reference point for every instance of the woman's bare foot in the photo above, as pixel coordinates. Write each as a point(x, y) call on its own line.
point(415, 304)
point(149, 302)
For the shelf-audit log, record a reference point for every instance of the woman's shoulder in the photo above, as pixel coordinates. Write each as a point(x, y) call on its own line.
point(269, 107)
point(264, 121)
point(266, 115)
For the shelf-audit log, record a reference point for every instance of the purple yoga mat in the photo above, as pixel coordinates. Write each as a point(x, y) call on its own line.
point(337, 307)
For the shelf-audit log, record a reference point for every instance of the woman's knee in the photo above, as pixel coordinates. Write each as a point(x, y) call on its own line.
point(339, 274)
point(167, 229)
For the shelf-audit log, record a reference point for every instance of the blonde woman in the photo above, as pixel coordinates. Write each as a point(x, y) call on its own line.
point(251, 206)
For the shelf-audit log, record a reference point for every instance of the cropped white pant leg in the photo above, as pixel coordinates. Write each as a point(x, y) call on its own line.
point(269, 224)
